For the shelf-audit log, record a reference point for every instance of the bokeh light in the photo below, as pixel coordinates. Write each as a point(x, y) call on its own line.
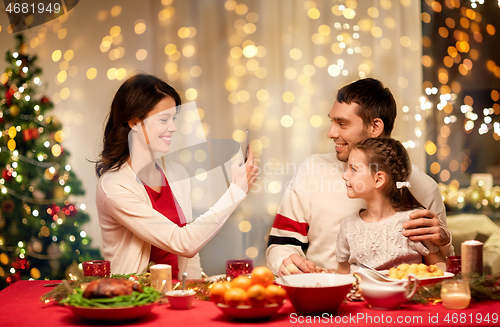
point(91, 73)
point(141, 54)
point(139, 26)
point(116, 11)
point(56, 55)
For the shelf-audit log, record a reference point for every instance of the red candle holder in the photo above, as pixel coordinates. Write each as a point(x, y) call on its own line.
point(454, 264)
point(234, 268)
point(96, 268)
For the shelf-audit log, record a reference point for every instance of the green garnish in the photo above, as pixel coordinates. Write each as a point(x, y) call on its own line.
point(148, 296)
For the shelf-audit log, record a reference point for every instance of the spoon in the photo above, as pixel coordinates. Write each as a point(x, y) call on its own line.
point(184, 276)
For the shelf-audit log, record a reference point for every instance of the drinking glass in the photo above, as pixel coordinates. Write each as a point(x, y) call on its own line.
point(96, 268)
point(234, 268)
point(455, 294)
point(454, 264)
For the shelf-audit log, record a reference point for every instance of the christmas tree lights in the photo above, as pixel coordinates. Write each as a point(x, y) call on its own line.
point(40, 227)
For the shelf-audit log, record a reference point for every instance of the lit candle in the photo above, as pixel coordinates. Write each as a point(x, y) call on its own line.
point(161, 277)
point(455, 294)
point(472, 257)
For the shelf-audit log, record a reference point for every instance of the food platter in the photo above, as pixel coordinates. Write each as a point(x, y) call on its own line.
point(111, 300)
point(428, 280)
point(247, 312)
point(111, 314)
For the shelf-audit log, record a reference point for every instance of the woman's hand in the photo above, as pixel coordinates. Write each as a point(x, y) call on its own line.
point(245, 175)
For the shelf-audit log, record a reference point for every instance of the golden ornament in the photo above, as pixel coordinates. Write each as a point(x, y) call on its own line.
point(495, 197)
point(48, 174)
point(23, 49)
point(56, 150)
point(12, 132)
point(35, 273)
point(59, 193)
point(474, 194)
point(14, 110)
point(4, 259)
point(11, 145)
point(59, 136)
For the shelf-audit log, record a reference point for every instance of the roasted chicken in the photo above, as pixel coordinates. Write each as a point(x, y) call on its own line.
point(110, 287)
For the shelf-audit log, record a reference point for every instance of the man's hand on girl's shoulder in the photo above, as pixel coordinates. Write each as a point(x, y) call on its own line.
point(424, 225)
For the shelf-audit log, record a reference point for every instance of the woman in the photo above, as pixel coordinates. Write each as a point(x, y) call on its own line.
point(143, 217)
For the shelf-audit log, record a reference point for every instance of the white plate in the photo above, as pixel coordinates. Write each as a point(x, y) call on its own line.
point(112, 314)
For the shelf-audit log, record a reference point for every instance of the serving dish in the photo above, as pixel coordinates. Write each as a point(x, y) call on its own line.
point(315, 293)
point(247, 312)
point(111, 314)
point(428, 280)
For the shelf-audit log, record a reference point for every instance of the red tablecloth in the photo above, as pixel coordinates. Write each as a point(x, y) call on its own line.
point(20, 306)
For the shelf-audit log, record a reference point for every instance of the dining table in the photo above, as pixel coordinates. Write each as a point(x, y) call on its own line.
point(20, 305)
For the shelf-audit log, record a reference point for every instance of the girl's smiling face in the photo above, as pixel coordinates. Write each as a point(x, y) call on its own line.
point(360, 181)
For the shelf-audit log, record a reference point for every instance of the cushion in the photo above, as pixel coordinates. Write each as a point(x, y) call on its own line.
point(482, 237)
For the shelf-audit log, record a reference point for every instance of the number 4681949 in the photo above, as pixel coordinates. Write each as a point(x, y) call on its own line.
point(27, 8)
point(463, 318)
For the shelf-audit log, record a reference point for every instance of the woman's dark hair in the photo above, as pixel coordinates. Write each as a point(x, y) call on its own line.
point(135, 98)
point(390, 156)
point(374, 101)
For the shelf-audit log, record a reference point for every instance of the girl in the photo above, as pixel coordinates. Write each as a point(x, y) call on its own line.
point(143, 217)
point(377, 172)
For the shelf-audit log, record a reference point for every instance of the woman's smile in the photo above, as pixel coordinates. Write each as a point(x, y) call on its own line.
point(166, 138)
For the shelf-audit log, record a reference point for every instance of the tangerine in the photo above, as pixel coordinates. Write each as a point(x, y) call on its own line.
point(262, 276)
point(275, 294)
point(217, 292)
point(257, 295)
point(242, 282)
point(235, 296)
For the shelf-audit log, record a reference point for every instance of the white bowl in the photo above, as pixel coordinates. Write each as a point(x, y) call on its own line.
point(312, 294)
point(180, 300)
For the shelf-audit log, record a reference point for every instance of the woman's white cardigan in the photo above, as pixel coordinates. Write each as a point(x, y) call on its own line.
point(130, 225)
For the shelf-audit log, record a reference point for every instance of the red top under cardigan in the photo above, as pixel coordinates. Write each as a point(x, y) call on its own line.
point(165, 203)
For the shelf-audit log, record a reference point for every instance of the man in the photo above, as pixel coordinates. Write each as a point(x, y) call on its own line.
point(305, 229)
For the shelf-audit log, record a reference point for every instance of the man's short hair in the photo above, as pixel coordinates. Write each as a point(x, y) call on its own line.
point(374, 101)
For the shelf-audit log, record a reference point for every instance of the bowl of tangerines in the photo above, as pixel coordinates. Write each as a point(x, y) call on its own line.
point(249, 297)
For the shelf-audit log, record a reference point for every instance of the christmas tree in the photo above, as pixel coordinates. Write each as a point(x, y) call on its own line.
point(40, 228)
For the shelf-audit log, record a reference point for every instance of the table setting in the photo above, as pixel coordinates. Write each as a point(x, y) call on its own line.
point(248, 295)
